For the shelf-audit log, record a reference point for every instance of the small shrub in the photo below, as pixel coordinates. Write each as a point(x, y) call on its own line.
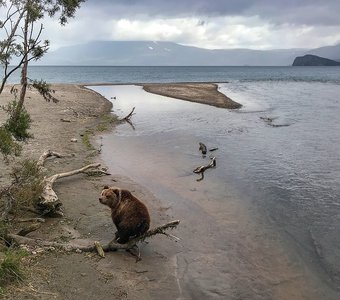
point(3, 230)
point(10, 268)
point(28, 182)
point(19, 125)
point(7, 145)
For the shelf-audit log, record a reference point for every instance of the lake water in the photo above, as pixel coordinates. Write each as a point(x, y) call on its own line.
point(266, 221)
point(83, 74)
point(270, 211)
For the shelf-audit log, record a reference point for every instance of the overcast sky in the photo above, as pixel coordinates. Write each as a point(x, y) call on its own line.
point(256, 24)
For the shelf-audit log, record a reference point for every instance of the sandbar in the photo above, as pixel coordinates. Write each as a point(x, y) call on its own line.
point(204, 93)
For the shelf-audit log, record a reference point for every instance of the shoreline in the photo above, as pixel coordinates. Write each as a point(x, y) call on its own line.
point(198, 92)
point(117, 275)
point(85, 217)
point(204, 93)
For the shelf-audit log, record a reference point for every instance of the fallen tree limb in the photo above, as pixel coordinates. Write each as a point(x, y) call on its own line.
point(26, 230)
point(128, 117)
point(85, 246)
point(45, 155)
point(203, 148)
point(41, 220)
point(49, 201)
point(202, 169)
point(8, 204)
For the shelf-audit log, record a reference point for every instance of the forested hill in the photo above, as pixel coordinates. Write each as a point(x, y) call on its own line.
point(314, 60)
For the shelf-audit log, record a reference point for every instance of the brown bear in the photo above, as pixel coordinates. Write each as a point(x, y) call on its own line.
point(129, 214)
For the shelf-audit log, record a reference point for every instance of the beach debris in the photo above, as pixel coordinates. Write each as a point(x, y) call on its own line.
point(202, 169)
point(99, 249)
point(213, 149)
point(82, 245)
point(41, 220)
point(74, 140)
point(49, 202)
point(269, 121)
point(203, 148)
point(26, 230)
point(128, 118)
point(65, 120)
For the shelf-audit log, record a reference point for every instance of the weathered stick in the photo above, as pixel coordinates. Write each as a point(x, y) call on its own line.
point(45, 155)
point(128, 117)
point(202, 169)
point(203, 149)
point(9, 203)
point(111, 246)
point(99, 249)
point(49, 201)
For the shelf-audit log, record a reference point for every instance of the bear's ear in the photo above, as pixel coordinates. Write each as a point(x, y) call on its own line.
point(116, 190)
point(106, 187)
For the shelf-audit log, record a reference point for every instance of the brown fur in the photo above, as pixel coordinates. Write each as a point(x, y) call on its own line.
point(129, 214)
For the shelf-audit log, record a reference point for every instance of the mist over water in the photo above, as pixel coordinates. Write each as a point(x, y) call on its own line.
point(283, 181)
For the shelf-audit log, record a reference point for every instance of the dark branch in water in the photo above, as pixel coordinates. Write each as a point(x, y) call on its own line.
point(201, 169)
point(128, 117)
point(203, 148)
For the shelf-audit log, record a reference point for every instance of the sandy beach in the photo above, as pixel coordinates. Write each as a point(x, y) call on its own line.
point(51, 274)
point(204, 93)
point(48, 273)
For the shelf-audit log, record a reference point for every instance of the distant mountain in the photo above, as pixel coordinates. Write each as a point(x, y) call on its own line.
point(313, 60)
point(146, 53)
point(330, 52)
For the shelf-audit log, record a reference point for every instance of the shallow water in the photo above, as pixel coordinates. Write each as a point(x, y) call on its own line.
point(264, 224)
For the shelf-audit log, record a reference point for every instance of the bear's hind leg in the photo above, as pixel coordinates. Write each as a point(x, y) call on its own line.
point(122, 237)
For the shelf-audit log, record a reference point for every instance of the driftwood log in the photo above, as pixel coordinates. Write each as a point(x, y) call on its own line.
point(49, 201)
point(203, 149)
point(86, 246)
point(202, 169)
point(127, 118)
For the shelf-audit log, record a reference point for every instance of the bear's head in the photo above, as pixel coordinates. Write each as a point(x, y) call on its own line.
point(110, 196)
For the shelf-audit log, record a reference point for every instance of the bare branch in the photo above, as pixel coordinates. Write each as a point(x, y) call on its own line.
point(88, 246)
point(202, 169)
point(47, 154)
point(128, 117)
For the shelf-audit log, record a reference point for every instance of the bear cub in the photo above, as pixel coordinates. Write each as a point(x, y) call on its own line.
point(129, 214)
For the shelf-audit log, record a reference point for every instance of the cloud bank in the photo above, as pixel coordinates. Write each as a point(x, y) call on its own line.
point(214, 24)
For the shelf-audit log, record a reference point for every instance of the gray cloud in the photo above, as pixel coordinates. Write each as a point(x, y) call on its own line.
point(256, 24)
point(308, 12)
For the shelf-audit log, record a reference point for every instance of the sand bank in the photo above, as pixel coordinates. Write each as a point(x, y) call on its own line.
point(204, 93)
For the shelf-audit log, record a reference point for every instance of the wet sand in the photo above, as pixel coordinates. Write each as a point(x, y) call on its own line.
point(204, 93)
point(237, 261)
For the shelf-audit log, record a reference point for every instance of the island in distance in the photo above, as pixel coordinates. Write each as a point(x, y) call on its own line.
point(314, 60)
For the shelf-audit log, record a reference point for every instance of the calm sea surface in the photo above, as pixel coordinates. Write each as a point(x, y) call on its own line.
point(286, 177)
point(62, 74)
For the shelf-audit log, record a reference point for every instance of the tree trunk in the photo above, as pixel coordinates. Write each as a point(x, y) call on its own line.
point(24, 68)
point(5, 48)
